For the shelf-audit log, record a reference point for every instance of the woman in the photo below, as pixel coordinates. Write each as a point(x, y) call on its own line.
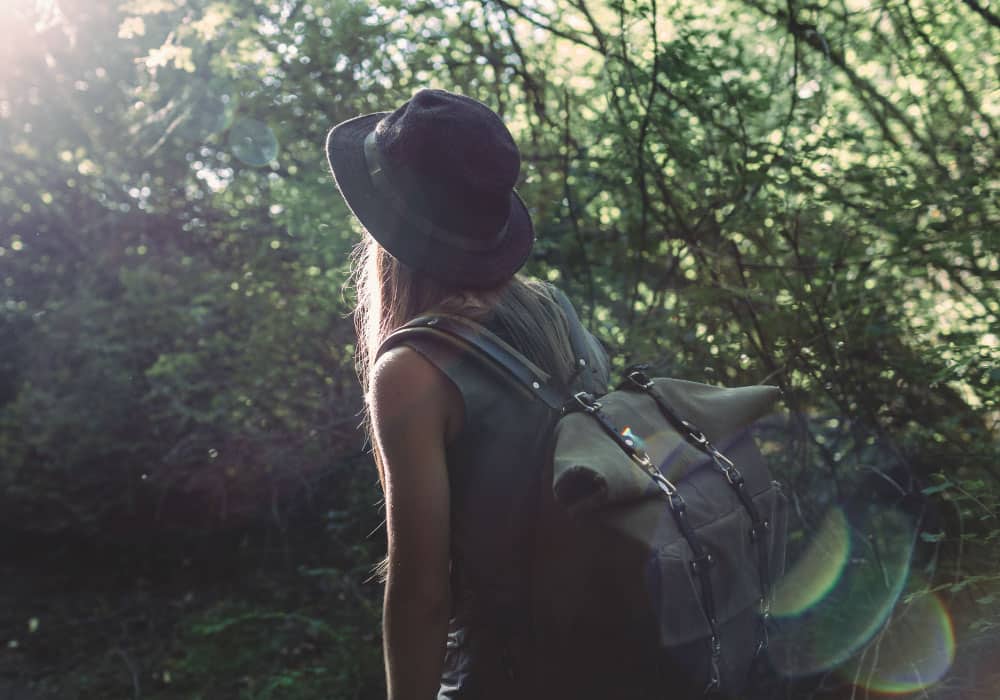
point(461, 450)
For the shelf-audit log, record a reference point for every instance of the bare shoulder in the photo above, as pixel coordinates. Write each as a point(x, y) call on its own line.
point(403, 364)
point(407, 386)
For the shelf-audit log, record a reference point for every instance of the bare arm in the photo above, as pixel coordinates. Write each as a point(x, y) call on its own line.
point(413, 411)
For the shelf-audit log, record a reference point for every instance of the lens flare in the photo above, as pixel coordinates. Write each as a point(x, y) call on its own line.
point(817, 571)
point(844, 616)
point(253, 142)
point(913, 652)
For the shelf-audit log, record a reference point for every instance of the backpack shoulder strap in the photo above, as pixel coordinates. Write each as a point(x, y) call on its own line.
point(484, 345)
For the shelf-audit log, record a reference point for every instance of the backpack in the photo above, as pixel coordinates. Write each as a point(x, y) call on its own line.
point(661, 533)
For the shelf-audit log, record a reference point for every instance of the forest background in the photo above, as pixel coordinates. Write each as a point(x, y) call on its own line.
point(800, 193)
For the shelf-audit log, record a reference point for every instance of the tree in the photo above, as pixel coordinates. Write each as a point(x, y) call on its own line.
point(749, 191)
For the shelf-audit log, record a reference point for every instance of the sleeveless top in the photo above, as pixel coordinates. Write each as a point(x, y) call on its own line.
point(496, 467)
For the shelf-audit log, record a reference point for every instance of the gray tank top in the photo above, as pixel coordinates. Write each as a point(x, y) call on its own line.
point(495, 468)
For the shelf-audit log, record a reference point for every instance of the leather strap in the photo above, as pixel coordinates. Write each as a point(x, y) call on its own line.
point(701, 565)
point(489, 346)
point(586, 402)
point(636, 379)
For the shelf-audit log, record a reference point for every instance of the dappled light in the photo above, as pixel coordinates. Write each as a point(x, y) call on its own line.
point(738, 192)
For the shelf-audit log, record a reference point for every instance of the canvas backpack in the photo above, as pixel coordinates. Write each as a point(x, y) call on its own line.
point(660, 487)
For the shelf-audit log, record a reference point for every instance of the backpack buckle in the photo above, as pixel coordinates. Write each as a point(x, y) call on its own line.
point(720, 459)
point(640, 379)
point(734, 477)
point(668, 488)
point(696, 435)
point(587, 402)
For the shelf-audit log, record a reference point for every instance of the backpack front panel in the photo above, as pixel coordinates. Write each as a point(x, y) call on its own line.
point(637, 564)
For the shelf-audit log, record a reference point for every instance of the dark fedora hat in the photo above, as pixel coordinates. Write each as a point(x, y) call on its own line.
point(433, 183)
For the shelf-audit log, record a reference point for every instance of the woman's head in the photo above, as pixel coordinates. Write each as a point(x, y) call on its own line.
point(433, 183)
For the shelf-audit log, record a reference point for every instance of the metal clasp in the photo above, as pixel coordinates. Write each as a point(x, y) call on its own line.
point(719, 457)
point(587, 402)
point(695, 434)
point(733, 476)
point(640, 456)
point(640, 379)
point(665, 485)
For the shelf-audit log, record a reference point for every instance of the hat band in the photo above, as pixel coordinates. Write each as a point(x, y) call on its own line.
point(379, 178)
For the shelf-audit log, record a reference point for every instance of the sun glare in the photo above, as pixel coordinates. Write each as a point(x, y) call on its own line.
point(29, 30)
point(22, 20)
point(39, 15)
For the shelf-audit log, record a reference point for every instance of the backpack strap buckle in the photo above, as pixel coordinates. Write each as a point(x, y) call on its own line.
point(640, 379)
point(585, 401)
point(676, 502)
point(695, 435)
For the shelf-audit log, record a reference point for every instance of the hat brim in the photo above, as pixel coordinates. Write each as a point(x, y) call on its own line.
point(481, 269)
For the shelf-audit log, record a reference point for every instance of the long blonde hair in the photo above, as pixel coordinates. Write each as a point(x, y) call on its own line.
point(389, 293)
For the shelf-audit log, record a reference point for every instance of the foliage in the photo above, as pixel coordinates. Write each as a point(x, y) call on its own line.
point(749, 190)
